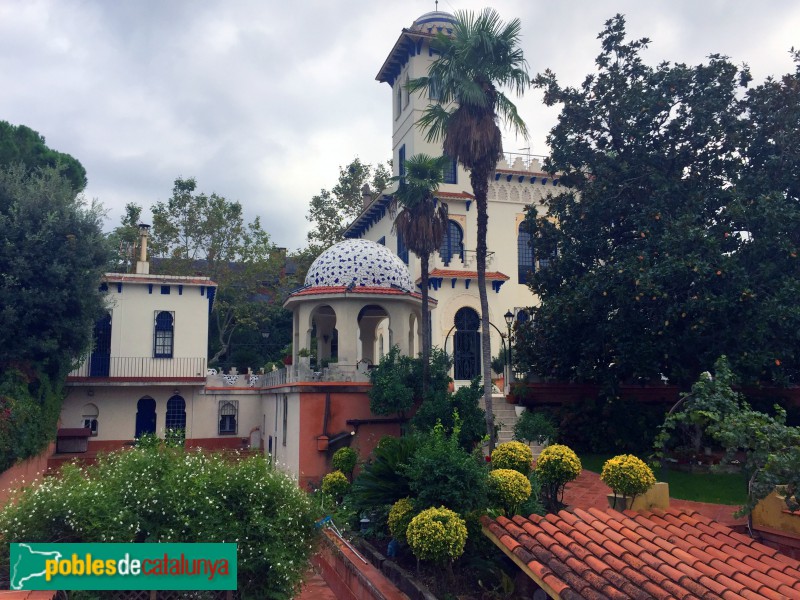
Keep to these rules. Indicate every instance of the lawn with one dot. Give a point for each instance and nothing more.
(719, 488)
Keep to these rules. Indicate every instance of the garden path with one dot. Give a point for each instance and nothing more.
(589, 491)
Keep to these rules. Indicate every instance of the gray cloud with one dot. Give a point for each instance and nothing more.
(261, 101)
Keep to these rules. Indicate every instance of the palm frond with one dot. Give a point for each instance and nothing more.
(435, 119)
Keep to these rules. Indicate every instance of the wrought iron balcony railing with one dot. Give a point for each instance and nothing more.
(140, 366)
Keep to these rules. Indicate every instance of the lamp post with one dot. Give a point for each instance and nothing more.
(509, 317)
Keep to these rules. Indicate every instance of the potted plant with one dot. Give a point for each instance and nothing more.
(628, 477)
(537, 429)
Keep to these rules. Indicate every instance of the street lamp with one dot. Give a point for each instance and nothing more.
(509, 317)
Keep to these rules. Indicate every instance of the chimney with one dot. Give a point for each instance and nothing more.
(366, 196)
(142, 266)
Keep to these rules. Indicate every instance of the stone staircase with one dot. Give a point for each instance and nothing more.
(504, 416)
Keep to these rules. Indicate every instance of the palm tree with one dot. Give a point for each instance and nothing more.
(422, 224)
(482, 54)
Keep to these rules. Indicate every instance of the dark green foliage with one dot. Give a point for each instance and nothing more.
(393, 384)
(382, 481)
(29, 408)
(610, 425)
(189, 497)
(331, 211)
(664, 167)
(445, 407)
(52, 252)
(535, 426)
(22, 145)
(441, 472)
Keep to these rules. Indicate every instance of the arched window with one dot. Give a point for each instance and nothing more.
(452, 244)
(228, 411)
(467, 344)
(405, 92)
(176, 414)
(524, 253)
(163, 335)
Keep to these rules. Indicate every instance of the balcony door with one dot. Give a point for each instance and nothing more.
(100, 361)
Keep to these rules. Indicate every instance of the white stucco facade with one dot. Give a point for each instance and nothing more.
(147, 369)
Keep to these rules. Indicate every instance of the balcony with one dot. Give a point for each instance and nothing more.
(301, 373)
(138, 369)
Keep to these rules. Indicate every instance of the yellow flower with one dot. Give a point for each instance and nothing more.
(437, 534)
(513, 455)
(510, 488)
(627, 475)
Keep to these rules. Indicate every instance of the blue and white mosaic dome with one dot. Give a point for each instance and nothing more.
(361, 262)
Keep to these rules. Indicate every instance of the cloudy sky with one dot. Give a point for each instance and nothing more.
(261, 101)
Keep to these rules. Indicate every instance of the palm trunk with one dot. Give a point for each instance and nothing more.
(426, 317)
(480, 187)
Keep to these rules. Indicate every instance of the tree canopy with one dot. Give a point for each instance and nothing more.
(331, 211)
(21, 144)
(52, 254)
(675, 238)
(197, 233)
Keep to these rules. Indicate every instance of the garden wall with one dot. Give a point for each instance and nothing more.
(348, 576)
(23, 473)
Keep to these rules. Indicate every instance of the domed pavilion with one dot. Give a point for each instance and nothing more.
(352, 291)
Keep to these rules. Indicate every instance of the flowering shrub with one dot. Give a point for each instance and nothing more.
(437, 535)
(513, 455)
(557, 466)
(344, 460)
(161, 493)
(335, 484)
(400, 516)
(627, 475)
(509, 488)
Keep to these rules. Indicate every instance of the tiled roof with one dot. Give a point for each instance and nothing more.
(462, 195)
(490, 275)
(673, 554)
(157, 279)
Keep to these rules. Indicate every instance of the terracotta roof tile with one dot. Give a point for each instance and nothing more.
(458, 274)
(664, 555)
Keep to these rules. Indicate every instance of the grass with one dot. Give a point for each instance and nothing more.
(718, 488)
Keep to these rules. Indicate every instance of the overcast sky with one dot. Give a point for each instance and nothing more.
(261, 101)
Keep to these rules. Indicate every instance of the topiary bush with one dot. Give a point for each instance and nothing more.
(437, 535)
(335, 485)
(400, 516)
(557, 466)
(190, 496)
(627, 475)
(344, 460)
(513, 455)
(509, 488)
